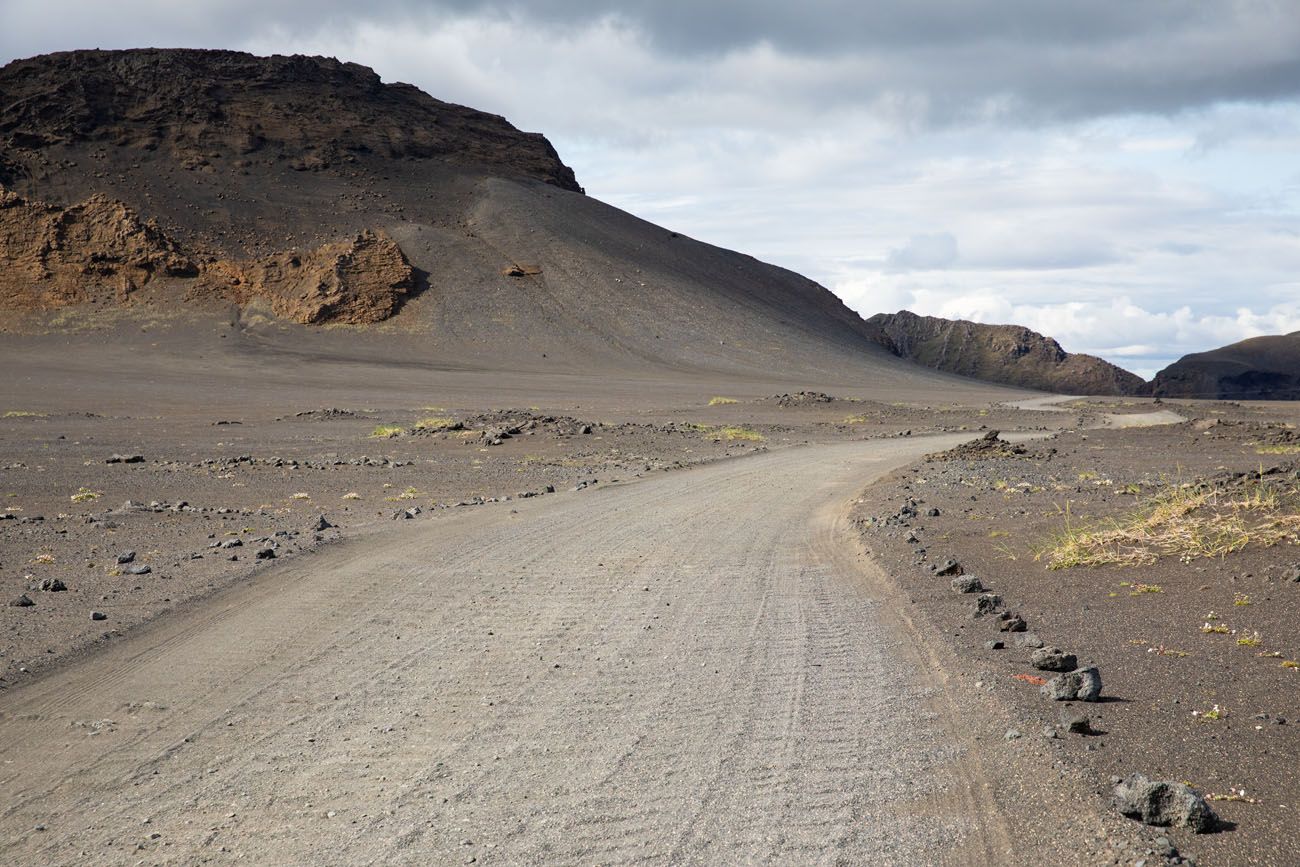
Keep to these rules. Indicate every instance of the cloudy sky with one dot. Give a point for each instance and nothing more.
(1124, 176)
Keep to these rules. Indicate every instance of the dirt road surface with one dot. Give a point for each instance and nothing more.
(691, 668)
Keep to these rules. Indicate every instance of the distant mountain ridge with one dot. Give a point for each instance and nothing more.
(1260, 368)
(1007, 354)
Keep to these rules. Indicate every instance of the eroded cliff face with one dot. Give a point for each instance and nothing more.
(101, 251)
(360, 281)
(53, 256)
(1007, 354)
(199, 106)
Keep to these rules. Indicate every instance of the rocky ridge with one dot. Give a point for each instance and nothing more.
(1008, 354)
(201, 107)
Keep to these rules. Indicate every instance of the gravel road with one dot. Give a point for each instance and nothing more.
(691, 668)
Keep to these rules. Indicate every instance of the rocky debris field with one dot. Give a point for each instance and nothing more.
(109, 521)
(1130, 596)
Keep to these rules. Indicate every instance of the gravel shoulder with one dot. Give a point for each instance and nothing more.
(1195, 644)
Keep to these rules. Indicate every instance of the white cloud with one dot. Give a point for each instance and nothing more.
(922, 253)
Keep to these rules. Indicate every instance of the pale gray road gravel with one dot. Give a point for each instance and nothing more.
(692, 668)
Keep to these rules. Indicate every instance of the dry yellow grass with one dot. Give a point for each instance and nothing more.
(1188, 522)
(435, 423)
(732, 432)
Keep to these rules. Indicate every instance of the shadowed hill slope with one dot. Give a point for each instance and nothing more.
(222, 182)
(1008, 354)
(1261, 368)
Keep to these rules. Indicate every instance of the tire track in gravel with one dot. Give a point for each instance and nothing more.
(691, 668)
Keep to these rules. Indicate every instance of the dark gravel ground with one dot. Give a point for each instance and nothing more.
(1155, 630)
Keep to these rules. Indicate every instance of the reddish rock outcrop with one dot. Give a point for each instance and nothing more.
(52, 257)
(100, 250)
(359, 281)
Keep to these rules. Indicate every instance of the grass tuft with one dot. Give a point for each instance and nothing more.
(1282, 449)
(1188, 522)
(722, 401)
(731, 432)
(435, 423)
(85, 495)
(386, 431)
(727, 432)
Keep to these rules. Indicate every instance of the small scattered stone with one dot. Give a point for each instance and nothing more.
(986, 604)
(265, 553)
(1074, 722)
(1012, 735)
(1082, 684)
(1050, 733)
(232, 543)
(1028, 639)
(23, 601)
(98, 615)
(320, 524)
(1164, 803)
(125, 557)
(1008, 622)
(53, 585)
(1053, 659)
(967, 584)
(950, 567)
(124, 459)
(994, 645)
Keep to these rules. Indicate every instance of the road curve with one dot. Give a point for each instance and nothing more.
(691, 668)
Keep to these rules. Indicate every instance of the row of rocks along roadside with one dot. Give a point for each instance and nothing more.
(1156, 803)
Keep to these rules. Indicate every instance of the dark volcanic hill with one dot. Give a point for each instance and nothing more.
(198, 107)
(1261, 368)
(268, 190)
(1008, 354)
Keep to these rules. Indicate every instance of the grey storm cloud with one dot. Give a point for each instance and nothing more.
(946, 61)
